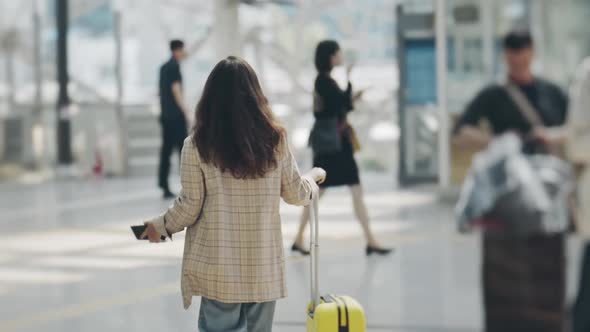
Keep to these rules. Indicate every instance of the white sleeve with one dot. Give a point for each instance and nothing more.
(578, 124)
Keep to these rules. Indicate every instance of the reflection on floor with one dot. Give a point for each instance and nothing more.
(68, 261)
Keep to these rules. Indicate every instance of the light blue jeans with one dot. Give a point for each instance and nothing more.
(216, 316)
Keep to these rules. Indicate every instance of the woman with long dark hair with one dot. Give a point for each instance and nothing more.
(333, 142)
(235, 168)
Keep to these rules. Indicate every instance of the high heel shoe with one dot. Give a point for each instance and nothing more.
(296, 248)
(378, 251)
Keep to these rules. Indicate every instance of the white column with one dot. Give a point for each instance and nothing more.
(441, 84)
(34, 129)
(121, 119)
(538, 24)
(9, 45)
(259, 53)
(488, 36)
(38, 72)
(226, 30)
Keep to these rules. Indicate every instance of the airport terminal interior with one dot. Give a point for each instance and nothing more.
(68, 261)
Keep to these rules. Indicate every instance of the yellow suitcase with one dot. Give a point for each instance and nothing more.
(329, 313)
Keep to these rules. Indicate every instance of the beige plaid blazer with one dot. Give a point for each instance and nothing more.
(233, 249)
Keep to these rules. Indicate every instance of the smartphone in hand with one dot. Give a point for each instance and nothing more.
(139, 230)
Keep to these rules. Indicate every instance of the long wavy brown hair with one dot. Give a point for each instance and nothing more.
(235, 129)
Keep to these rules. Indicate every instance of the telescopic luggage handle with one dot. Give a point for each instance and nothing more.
(314, 242)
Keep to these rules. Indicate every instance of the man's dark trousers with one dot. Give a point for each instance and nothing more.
(174, 133)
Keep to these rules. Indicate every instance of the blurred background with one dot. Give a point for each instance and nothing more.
(79, 144)
(115, 48)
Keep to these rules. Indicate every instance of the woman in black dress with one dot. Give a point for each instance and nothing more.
(331, 105)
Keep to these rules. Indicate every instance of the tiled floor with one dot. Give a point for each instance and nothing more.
(68, 261)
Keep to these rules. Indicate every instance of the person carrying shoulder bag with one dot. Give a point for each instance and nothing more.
(523, 276)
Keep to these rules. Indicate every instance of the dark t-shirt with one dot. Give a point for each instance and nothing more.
(495, 105)
(169, 74)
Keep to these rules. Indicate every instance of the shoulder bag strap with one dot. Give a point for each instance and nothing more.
(523, 105)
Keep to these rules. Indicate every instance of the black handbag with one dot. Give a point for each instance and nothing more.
(325, 137)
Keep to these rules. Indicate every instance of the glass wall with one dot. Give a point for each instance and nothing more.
(278, 40)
